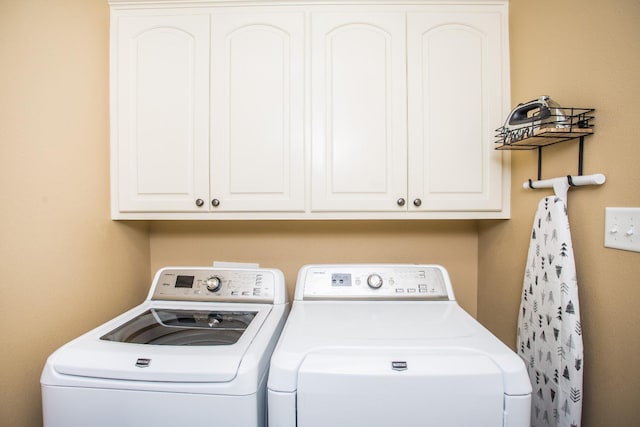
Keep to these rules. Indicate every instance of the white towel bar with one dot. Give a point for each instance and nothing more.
(562, 184)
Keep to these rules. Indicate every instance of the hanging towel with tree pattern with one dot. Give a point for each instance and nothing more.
(549, 328)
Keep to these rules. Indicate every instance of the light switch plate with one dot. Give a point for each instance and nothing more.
(622, 228)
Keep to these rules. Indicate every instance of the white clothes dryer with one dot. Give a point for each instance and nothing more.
(195, 352)
(382, 345)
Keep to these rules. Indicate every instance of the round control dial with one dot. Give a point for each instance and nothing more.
(374, 281)
(213, 283)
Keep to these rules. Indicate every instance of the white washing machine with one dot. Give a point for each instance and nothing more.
(383, 345)
(195, 352)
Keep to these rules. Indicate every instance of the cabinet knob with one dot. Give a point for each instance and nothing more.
(215, 203)
(199, 202)
(400, 201)
(417, 202)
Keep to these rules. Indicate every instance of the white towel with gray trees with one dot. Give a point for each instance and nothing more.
(549, 329)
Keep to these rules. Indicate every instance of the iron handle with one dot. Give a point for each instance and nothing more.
(417, 202)
(199, 203)
(400, 201)
(215, 203)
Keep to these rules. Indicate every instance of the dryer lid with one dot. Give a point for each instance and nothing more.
(164, 345)
(375, 327)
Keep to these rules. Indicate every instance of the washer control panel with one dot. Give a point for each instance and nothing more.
(214, 284)
(372, 281)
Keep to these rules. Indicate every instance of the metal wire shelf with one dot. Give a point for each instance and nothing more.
(566, 123)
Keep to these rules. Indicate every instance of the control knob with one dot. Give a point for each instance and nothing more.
(213, 283)
(374, 281)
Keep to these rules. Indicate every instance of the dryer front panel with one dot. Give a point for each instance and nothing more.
(445, 388)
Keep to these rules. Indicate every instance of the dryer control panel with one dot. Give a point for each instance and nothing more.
(374, 281)
(218, 285)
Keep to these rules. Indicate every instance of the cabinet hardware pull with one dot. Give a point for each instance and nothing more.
(417, 202)
(199, 202)
(400, 201)
(215, 203)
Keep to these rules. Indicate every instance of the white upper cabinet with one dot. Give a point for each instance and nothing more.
(209, 112)
(456, 95)
(257, 111)
(159, 105)
(223, 109)
(359, 119)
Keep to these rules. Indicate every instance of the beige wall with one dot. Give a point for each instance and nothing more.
(585, 54)
(55, 214)
(64, 265)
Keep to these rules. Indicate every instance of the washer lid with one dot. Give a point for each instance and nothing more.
(165, 326)
(173, 353)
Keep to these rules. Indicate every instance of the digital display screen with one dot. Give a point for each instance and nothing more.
(340, 279)
(184, 282)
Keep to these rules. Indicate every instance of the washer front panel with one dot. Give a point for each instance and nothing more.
(387, 282)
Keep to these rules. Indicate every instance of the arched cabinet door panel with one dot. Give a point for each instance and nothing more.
(358, 111)
(159, 123)
(257, 111)
(456, 98)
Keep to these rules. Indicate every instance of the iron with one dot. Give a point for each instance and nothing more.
(525, 118)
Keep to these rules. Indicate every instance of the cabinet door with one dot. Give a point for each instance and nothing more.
(257, 111)
(456, 97)
(358, 112)
(160, 87)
